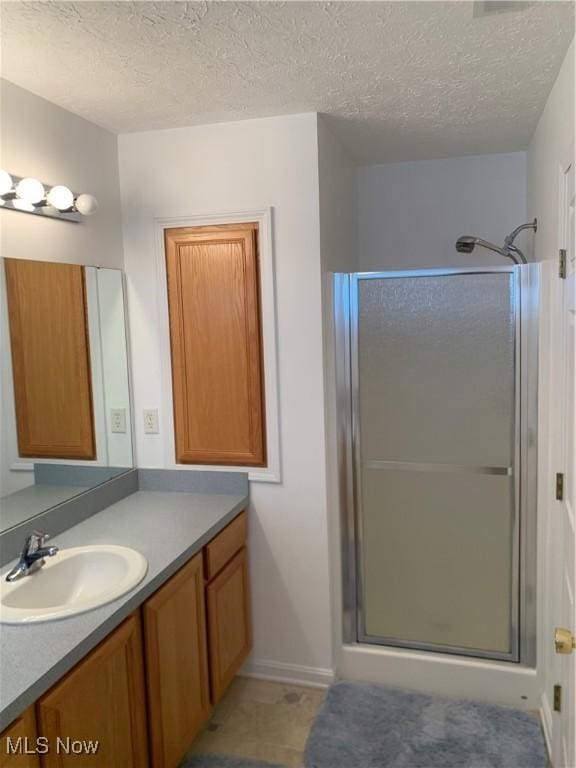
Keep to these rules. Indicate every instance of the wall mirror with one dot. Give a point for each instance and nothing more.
(65, 417)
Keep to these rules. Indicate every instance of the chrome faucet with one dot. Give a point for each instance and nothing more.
(32, 556)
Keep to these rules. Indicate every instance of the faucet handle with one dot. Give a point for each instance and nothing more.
(35, 540)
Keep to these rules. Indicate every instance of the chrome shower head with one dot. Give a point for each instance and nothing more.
(466, 244)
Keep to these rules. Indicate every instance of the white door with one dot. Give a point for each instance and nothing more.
(564, 742)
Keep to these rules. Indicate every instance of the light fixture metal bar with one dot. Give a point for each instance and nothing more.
(10, 202)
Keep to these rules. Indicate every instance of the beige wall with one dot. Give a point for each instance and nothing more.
(57, 147)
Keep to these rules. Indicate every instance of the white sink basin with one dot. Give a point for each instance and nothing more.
(73, 581)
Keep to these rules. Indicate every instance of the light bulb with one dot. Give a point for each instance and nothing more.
(60, 197)
(86, 204)
(22, 205)
(30, 190)
(5, 182)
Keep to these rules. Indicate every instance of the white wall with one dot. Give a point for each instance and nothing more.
(410, 214)
(338, 203)
(115, 377)
(45, 141)
(550, 153)
(233, 167)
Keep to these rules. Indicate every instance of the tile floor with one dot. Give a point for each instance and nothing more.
(263, 721)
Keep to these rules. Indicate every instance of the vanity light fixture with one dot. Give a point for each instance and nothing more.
(5, 183)
(31, 196)
(30, 190)
(60, 197)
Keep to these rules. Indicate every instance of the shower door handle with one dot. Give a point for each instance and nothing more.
(462, 469)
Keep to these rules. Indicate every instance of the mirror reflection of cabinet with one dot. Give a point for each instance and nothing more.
(65, 416)
(50, 359)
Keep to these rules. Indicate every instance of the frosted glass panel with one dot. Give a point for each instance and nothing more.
(436, 410)
(437, 558)
(436, 368)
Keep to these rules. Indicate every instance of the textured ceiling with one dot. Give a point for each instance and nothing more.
(399, 80)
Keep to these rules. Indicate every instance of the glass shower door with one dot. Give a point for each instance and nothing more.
(434, 361)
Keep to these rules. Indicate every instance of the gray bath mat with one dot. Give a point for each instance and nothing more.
(370, 726)
(221, 761)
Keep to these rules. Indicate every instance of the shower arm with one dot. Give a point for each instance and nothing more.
(513, 235)
(509, 239)
(518, 252)
(490, 246)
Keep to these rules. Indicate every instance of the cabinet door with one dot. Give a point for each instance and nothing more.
(102, 699)
(18, 739)
(176, 664)
(215, 335)
(50, 359)
(229, 623)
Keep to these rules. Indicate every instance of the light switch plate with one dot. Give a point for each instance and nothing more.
(151, 421)
(118, 420)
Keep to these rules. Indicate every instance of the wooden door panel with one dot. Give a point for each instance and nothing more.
(17, 739)
(229, 623)
(50, 359)
(176, 664)
(102, 699)
(215, 334)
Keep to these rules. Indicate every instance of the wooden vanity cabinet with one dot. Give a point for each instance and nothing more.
(146, 691)
(18, 741)
(228, 605)
(197, 634)
(229, 626)
(176, 664)
(102, 699)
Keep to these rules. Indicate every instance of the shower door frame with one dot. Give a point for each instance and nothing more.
(526, 281)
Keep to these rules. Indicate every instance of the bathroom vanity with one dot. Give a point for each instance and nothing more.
(139, 675)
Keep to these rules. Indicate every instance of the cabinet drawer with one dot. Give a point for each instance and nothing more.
(223, 548)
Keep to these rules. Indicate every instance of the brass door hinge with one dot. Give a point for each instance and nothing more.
(562, 263)
(559, 486)
(557, 698)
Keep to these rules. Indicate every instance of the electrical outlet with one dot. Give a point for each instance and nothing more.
(118, 420)
(151, 422)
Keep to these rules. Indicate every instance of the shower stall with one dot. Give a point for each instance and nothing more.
(437, 392)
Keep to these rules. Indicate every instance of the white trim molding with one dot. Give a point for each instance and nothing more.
(22, 466)
(263, 216)
(293, 674)
(441, 674)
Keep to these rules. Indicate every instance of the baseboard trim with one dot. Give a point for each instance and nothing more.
(546, 720)
(294, 674)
